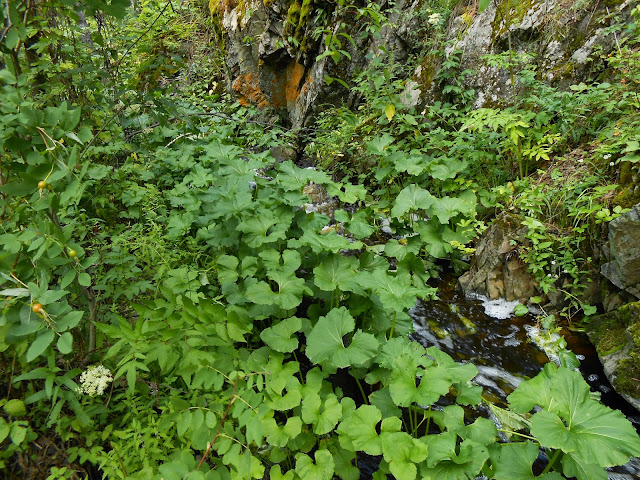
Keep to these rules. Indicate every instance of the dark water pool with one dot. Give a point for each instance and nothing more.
(499, 345)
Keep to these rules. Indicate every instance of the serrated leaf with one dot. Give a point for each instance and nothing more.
(337, 272)
(378, 145)
(325, 342)
(323, 414)
(279, 435)
(411, 198)
(330, 242)
(436, 377)
(69, 321)
(358, 431)
(572, 421)
(395, 293)
(278, 336)
(402, 453)
(276, 474)
(449, 168)
(582, 471)
(463, 465)
(447, 207)
(321, 470)
(431, 234)
(515, 460)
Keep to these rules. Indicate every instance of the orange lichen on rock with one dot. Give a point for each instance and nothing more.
(249, 92)
(295, 73)
(286, 85)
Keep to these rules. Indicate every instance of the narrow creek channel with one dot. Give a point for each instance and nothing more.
(496, 341)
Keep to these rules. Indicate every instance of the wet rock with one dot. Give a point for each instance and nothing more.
(623, 269)
(616, 336)
(496, 268)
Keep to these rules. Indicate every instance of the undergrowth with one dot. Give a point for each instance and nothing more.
(173, 308)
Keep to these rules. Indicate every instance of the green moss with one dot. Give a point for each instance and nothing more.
(628, 374)
(469, 325)
(296, 23)
(510, 12)
(614, 331)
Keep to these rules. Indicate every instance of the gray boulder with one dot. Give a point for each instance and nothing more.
(623, 269)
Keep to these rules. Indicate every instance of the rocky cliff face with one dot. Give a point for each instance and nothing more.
(558, 39)
(275, 48)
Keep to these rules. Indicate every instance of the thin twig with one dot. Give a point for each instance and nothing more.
(140, 37)
(224, 417)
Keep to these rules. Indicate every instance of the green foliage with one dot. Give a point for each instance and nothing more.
(171, 309)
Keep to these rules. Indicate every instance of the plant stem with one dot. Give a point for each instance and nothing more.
(550, 464)
(519, 434)
(364, 397)
(393, 324)
(224, 417)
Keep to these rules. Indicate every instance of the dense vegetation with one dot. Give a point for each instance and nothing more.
(174, 308)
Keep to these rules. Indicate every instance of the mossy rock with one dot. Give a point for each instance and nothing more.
(616, 336)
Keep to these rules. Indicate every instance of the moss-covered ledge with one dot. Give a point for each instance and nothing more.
(616, 336)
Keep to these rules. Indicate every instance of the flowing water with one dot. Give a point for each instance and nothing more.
(498, 343)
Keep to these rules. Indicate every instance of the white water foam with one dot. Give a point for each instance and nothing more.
(500, 308)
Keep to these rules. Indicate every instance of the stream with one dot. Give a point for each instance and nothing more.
(497, 342)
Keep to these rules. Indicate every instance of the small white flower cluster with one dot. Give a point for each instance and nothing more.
(95, 380)
(607, 156)
(434, 19)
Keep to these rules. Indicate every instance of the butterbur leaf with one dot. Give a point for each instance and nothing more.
(395, 293)
(515, 460)
(325, 342)
(580, 470)
(261, 229)
(378, 145)
(279, 435)
(572, 421)
(276, 474)
(447, 207)
(440, 447)
(449, 168)
(289, 294)
(278, 336)
(323, 414)
(412, 164)
(283, 401)
(321, 470)
(411, 198)
(330, 242)
(358, 431)
(463, 465)
(337, 272)
(402, 452)
(520, 310)
(431, 234)
(347, 192)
